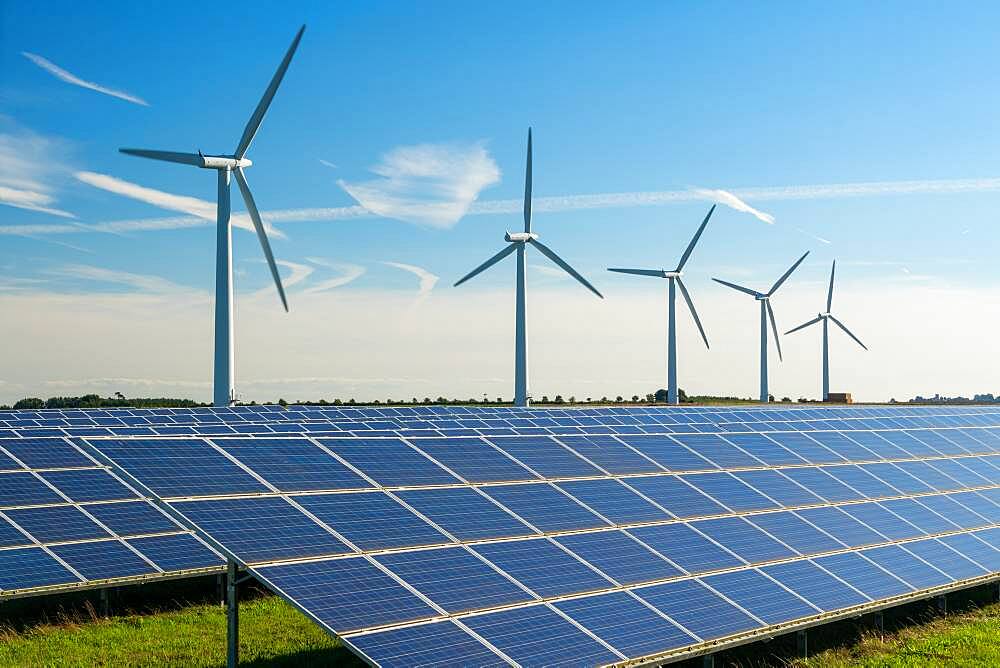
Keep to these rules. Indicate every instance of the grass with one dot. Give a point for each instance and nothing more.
(274, 634)
(970, 638)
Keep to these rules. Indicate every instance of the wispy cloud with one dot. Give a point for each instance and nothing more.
(428, 184)
(27, 161)
(140, 282)
(347, 274)
(732, 201)
(298, 274)
(427, 279)
(71, 78)
(327, 163)
(190, 205)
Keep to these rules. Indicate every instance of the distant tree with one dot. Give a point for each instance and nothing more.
(31, 403)
(119, 395)
(619, 399)
(604, 400)
(282, 402)
(545, 398)
(589, 400)
(572, 399)
(559, 399)
(661, 396)
(786, 400)
(427, 400)
(351, 401)
(635, 398)
(337, 402)
(770, 398)
(499, 400)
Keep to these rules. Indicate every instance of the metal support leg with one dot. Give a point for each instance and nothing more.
(942, 604)
(232, 617)
(708, 661)
(802, 643)
(220, 589)
(879, 622)
(104, 602)
(996, 592)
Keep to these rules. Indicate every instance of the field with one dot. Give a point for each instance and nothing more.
(274, 634)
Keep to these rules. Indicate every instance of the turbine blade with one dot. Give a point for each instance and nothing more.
(829, 295)
(774, 328)
(258, 114)
(848, 332)
(548, 252)
(697, 235)
(752, 293)
(659, 273)
(784, 277)
(527, 188)
(694, 313)
(489, 263)
(166, 156)
(265, 245)
(804, 325)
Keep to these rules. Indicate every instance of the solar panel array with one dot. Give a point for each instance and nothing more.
(583, 536)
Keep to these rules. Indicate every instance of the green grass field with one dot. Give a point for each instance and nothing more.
(274, 634)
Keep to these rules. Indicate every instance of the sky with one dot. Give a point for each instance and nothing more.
(392, 162)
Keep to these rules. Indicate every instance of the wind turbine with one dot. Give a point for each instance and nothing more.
(674, 282)
(825, 318)
(518, 241)
(226, 166)
(766, 313)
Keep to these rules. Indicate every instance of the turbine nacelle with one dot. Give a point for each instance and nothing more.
(224, 162)
(823, 315)
(519, 237)
(672, 274)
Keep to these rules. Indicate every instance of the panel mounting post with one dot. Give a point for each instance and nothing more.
(232, 617)
(802, 643)
(879, 622)
(708, 661)
(104, 602)
(220, 589)
(942, 604)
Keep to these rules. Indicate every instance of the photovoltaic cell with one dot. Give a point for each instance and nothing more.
(718, 451)
(857, 478)
(795, 532)
(56, 523)
(545, 507)
(815, 585)
(545, 456)
(735, 494)
(944, 559)
(743, 539)
(83, 485)
(292, 464)
(944, 505)
(543, 567)
(610, 454)
(24, 489)
(905, 566)
(863, 575)
(686, 547)
(538, 636)
(760, 596)
(765, 449)
(668, 453)
(105, 559)
(841, 526)
(619, 556)
(778, 487)
(465, 513)
(678, 497)
(46, 453)
(882, 520)
(613, 500)
(919, 515)
(474, 459)
(975, 549)
(822, 484)
(132, 518)
(176, 552)
(806, 448)
(698, 609)
(389, 461)
(10, 536)
(29, 567)
(438, 645)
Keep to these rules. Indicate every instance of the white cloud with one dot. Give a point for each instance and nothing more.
(327, 163)
(141, 282)
(732, 201)
(427, 279)
(428, 184)
(347, 274)
(164, 200)
(71, 78)
(27, 162)
(299, 273)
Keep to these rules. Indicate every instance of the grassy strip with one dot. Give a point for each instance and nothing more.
(272, 633)
(970, 638)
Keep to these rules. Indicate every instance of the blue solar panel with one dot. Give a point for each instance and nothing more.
(843, 446)
(132, 518)
(55, 524)
(24, 489)
(538, 636)
(474, 459)
(454, 579)
(346, 594)
(718, 451)
(765, 449)
(180, 467)
(46, 453)
(543, 567)
(8, 464)
(545, 456)
(103, 559)
(778, 487)
(815, 585)
(882, 520)
(760, 596)
(958, 514)
(822, 484)
(979, 504)
(727, 489)
(438, 645)
(293, 464)
(678, 497)
(668, 453)
(687, 548)
(390, 462)
(626, 624)
(619, 556)
(795, 532)
(465, 513)
(610, 454)
(83, 485)
(805, 447)
(863, 575)
(943, 558)
(10, 536)
(841, 526)
(906, 567)
(613, 500)
(545, 507)
(957, 470)
(262, 529)
(176, 552)
(919, 515)
(976, 549)
(857, 478)
(698, 609)
(929, 475)
(29, 567)
(743, 539)
(880, 446)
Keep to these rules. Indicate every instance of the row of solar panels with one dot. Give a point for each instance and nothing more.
(652, 414)
(585, 549)
(499, 427)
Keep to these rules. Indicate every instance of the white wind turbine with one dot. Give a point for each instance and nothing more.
(674, 282)
(226, 165)
(766, 313)
(519, 241)
(825, 318)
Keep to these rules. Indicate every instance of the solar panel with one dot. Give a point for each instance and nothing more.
(714, 522)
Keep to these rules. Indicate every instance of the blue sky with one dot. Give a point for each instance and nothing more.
(665, 98)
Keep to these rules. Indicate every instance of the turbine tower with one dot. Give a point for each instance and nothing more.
(766, 313)
(674, 282)
(518, 242)
(227, 166)
(825, 318)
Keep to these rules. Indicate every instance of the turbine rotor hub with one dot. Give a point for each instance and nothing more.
(224, 162)
(672, 274)
(519, 237)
